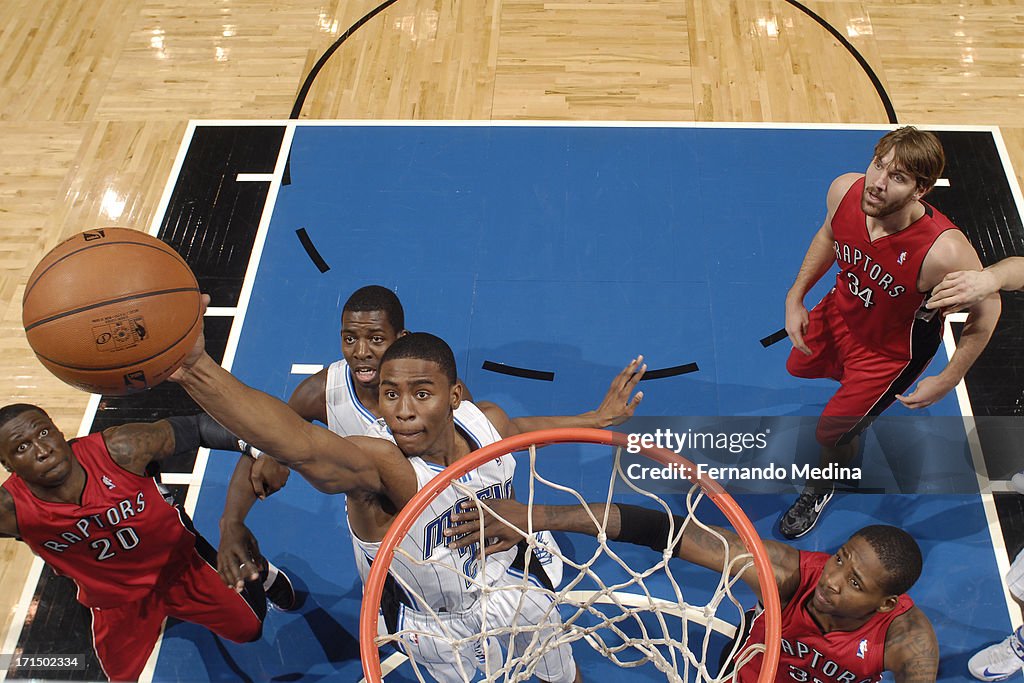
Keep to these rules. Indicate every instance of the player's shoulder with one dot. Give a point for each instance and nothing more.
(309, 398)
(913, 621)
(841, 185)
(133, 445)
(494, 414)
(951, 251)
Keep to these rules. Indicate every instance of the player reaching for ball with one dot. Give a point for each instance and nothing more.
(419, 397)
(86, 507)
(845, 616)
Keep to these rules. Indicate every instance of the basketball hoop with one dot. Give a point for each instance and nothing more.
(669, 653)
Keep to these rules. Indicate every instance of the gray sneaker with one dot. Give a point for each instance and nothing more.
(803, 514)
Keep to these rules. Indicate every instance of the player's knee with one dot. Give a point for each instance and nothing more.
(834, 431)
(798, 364)
(245, 633)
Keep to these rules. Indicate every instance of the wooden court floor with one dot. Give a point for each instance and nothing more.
(95, 96)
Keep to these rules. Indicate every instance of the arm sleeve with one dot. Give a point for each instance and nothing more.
(193, 431)
(644, 526)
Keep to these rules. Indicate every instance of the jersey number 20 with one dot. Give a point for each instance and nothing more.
(126, 538)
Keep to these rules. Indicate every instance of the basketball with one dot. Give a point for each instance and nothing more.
(112, 311)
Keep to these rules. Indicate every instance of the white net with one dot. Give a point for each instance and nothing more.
(626, 603)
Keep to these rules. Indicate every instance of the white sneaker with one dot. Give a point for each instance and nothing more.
(1017, 482)
(999, 661)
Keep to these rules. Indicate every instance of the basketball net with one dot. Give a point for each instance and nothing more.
(622, 618)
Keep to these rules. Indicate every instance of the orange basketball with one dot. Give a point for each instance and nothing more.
(111, 311)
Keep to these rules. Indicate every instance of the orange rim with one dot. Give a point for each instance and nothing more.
(374, 588)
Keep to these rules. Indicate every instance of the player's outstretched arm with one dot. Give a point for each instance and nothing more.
(331, 463)
(911, 649)
(617, 406)
(712, 547)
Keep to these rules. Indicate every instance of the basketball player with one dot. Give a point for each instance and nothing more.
(871, 332)
(342, 396)
(845, 617)
(419, 395)
(86, 507)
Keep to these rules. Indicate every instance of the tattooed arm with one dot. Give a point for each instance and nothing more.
(133, 446)
(911, 650)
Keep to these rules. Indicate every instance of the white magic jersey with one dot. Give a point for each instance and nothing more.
(346, 415)
(443, 587)
(452, 599)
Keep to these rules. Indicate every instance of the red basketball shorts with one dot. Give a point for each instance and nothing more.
(124, 636)
(868, 381)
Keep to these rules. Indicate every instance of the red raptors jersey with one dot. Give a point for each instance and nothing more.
(876, 289)
(810, 655)
(118, 544)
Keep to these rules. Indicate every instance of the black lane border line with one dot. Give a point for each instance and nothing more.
(672, 371)
(315, 71)
(525, 373)
(311, 251)
(890, 111)
(774, 338)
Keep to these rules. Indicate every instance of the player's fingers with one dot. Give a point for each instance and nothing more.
(497, 545)
(257, 486)
(908, 400)
(636, 401)
(635, 378)
(798, 343)
(256, 562)
(230, 570)
(463, 535)
(621, 380)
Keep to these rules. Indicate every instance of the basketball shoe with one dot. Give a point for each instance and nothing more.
(1000, 660)
(279, 589)
(803, 514)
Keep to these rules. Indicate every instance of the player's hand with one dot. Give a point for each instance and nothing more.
(267, 476)
(928, 391)
(962, 289)
(199, 348)
(620, 403)
(238, 558)
(504, 524)
(796, 326)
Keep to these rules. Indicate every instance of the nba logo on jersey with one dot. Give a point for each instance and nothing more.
(862, 649)
(902, 258)
(109, 484)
